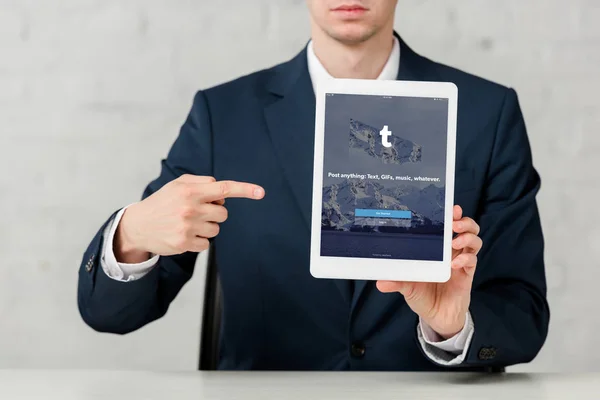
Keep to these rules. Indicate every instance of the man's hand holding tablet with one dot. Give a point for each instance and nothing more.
(444, 306)
(383, 194)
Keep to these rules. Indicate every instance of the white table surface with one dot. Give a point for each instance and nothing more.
(114, 385)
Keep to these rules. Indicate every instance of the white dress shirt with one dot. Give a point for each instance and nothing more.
(445, 352)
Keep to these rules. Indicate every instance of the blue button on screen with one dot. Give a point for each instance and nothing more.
(399, 214)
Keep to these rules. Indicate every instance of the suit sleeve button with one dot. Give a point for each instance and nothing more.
(487, 353)
(90, 264)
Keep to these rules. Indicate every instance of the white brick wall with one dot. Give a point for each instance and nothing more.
(92, 93)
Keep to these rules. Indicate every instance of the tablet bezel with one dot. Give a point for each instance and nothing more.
(377, 268)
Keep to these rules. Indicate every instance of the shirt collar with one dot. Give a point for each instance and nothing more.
(318, 73)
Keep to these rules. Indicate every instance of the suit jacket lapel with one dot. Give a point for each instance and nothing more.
(291, 124)
(411, 68)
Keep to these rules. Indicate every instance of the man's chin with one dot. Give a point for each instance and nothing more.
(351, 33)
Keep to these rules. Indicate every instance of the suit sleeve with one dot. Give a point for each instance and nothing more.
(508, 304)
(108, 305)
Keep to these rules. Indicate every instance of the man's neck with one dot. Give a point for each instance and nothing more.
(359, 61)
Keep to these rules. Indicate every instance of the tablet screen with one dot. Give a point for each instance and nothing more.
(384, 168)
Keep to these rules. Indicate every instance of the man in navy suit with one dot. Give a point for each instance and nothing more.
(240, 174)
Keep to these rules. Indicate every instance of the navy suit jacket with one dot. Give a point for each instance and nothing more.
(260, 128)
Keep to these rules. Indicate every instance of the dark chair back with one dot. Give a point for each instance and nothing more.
(211, 317)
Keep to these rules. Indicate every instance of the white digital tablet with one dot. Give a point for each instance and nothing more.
(383, 184)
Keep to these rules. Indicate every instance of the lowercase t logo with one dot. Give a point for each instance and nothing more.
(385, 134)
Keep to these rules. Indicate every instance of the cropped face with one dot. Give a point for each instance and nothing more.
(351, 21)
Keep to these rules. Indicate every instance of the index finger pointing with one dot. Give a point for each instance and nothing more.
(223, 189)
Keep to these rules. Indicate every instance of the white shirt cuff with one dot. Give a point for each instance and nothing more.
(446, 352)
(114, 269)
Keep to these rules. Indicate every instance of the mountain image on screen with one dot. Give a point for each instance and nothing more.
(340, 201)
(367, 138)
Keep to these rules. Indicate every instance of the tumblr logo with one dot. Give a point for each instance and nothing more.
(385, 135)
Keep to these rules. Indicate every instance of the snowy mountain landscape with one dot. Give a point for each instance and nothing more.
(340, 201)
(366, 138)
